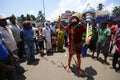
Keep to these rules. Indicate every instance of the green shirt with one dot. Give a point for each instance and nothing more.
(94, 33)
(103, 34)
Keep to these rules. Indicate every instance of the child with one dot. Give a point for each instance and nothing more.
(53, 39)
(40, 39)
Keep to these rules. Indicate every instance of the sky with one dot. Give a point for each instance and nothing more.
(53, 8)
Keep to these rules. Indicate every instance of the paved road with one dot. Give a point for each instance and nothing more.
(52, 68)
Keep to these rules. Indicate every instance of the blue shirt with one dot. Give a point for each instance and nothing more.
(27, 34)
(3, 51)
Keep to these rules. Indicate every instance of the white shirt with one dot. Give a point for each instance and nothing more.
(8, 38)
(47, 35)
(35, 29)
(16, 32)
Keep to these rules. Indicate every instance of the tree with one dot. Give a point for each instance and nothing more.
(23, 18)
(19, 19)
(33, 18)
(28, 17)
(100, 6)
(40, 16)
(116, 11)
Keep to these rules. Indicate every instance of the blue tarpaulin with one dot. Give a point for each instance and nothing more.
(101, 18)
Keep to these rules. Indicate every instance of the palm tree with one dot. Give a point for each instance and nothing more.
(116, 11)
(28, 17)
(19, 19)
(33, 18)
(100, 6)
(23, 17)
(40, 15)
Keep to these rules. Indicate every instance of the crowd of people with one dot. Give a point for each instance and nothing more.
(18, 42)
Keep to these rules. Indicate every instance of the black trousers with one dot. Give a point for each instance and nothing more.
(115, 60)
(66, 43)
(21, 50)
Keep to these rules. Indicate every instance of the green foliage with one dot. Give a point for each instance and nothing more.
(116, 11)
(23, 17)
(33, 18)
(29, 17)
(40, 15)
(19, 19)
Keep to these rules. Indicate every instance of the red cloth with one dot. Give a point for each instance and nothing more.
(112, 28)
(53, 40)
(77, 34)
(117, 42)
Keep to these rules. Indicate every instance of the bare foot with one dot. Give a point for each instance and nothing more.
(67, 68)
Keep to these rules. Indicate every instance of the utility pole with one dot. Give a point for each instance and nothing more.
(44, 8)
